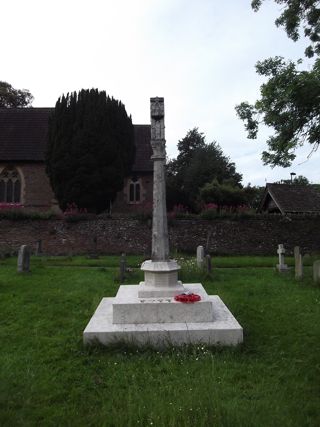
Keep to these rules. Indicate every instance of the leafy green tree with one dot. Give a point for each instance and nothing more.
(196, 164)
(222, 194)
(301, 180)
(289, 99)
(253, 195)
(90, 149)
(297, 13)
(290, 104)
(298, 180)
(14, 98)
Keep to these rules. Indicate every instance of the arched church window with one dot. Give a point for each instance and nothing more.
(134, 190)
(9, 191)
(17, 192)
(10, 185)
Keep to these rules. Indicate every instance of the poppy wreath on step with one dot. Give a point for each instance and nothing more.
(187, 298)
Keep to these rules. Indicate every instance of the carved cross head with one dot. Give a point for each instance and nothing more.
(157, 108)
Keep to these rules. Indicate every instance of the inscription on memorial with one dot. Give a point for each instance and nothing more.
(156, 300)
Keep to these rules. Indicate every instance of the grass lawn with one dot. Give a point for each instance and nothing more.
(47, 377)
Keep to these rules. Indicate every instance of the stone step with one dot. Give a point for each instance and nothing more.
(128, 307)
(223, 330)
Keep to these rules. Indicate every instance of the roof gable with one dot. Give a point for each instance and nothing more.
(291, 198)
(23, 137)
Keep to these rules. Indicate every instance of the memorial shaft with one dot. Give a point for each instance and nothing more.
(160, 240)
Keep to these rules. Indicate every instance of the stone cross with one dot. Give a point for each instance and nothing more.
(316, 272)
(160, 240)
(24, 259)
(200, 256)
(160, 272)
(298, 264)
(281, 251)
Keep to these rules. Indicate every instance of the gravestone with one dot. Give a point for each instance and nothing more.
(316, 272)
(208, 264)
(24, 259)
(39, 247)
(94, 252)
(123, 267)
(298, 264)
(200, 256)
(208, 241)
(281, 266)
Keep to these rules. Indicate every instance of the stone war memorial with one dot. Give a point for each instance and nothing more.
(161, 311)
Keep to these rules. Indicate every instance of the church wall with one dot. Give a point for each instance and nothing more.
(122, 203)
(37, 195)
(257, 236)
(36, 192)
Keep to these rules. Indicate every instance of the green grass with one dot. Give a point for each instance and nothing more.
(134, 261)
(48, 378)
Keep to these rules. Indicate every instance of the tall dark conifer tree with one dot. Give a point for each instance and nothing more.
(90, 149)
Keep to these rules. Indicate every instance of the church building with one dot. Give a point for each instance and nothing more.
(23, 179)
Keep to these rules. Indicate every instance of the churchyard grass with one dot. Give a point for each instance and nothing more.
(48, 378)
(135, 261)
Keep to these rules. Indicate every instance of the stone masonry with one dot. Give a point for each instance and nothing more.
(258, 236)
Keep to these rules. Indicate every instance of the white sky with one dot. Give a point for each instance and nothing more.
(198, 54)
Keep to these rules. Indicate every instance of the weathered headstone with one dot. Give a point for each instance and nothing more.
(208, 264)
(94, 253)
(281, 266)
(316, 272)
(208, 240)
(298, 264)
(200, 256)
(123, 267)
(39, 247)
(24, 259)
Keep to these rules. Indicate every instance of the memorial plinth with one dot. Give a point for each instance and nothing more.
(160, 279)
(148, 314)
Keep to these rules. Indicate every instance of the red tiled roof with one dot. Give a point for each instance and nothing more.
(23, 137)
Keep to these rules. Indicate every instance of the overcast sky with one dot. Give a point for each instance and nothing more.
(198, 54)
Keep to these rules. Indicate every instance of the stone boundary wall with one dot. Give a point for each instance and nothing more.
(258, 236)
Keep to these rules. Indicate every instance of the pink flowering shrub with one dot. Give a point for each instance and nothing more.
(212, 211)
(7, 206)
(210, 206)
(72, 209)
(75, 214)
(179, 211)
(142, 212)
